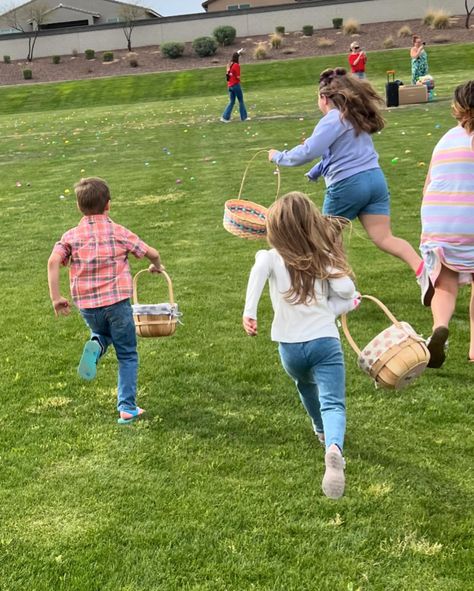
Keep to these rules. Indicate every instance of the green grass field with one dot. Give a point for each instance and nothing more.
(219, 488)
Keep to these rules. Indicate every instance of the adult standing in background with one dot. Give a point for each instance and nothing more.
(419, 59)
(235, 90)
(357, 60)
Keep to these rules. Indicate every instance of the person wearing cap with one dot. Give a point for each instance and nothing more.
(357, 60)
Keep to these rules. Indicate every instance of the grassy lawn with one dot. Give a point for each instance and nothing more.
(219, 489)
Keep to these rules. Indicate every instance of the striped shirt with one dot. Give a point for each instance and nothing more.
(447, 211)
(97, 252)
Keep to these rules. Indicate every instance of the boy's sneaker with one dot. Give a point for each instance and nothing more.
(224, 120)
(129, 416)
(427, 289)
(87, 368)
(437, 345)
(247, 119)
(334, 479)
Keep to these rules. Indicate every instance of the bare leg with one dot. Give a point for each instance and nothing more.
(443, 303)
(379, 231)
(471, 316)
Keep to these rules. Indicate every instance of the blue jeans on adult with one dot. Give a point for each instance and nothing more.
(114, 325)
(235, 92)
(317, 368)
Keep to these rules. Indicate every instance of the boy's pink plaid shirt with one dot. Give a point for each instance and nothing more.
(97, 251)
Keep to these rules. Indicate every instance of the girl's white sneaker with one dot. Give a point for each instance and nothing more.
(334, 480)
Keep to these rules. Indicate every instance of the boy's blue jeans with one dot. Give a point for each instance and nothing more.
(235, 92)
(114, 325)
(317, 367)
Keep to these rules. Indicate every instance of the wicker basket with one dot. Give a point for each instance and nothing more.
(395, 357)
(155, 325)
(247, 219)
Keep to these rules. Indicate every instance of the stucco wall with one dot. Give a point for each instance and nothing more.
(223, 4)
(258, 21)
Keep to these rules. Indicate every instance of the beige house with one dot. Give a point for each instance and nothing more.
(216, 5)
(51, 14)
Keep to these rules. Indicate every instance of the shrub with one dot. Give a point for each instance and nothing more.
(205, 46)
(440, 20)
(428, 18)
(324, 42)
(172, 49)
(388, 42)
(337, 22)
(351, 27)
(224, 35)
(7, 59)
(56, 59)
(405, 31)
(308, 30)
(280, 30)
(27, 74)
(75, 53)
(260, 52)
(276, 41)
(108, 56)
(90, 54)
(133, 62)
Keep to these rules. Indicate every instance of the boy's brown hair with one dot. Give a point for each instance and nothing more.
(92, 195)
(463, 105)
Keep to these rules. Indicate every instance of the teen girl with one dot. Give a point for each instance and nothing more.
(305, 268)
(355, 184)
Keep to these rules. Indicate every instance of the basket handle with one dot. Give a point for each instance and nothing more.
(277, 172)
(162, 272)
(345, 327)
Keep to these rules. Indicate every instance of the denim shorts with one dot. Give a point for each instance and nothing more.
(362, 193)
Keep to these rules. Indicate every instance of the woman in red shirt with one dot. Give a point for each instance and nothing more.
(357, 60)
(235, 91)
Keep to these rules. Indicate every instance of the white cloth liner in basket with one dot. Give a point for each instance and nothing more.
(165, 308)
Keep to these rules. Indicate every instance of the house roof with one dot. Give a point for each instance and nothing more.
(148, 10)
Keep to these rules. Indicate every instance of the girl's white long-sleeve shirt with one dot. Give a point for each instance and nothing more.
(294, 323)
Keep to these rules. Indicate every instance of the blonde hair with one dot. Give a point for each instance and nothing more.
(463, 105)
(310, 244)
(355, 99)
(92, 195)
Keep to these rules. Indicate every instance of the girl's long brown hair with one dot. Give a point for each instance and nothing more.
(355, 99)
(310, 244)
(463, 105)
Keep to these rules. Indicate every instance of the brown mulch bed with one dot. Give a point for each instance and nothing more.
(295, 45)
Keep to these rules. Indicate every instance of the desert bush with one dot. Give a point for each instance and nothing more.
(323, 42)
(260, 52)
(280, 30)
(224, 35)
(440, 20)
(172, 49)
(90, 54)
(428, 18)
(388, 42)
(205, 46)
(441, 39)
(56, 59)
(133, 62)
(351, 27)
(75, 53)
(404, 31)
(337, 22)
(276, 41)
(7, 59)
(108, 56)
(27, 74)
(308, 30)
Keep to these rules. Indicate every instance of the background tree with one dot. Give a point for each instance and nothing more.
(129, 14)
(468, 12)
(27, 20)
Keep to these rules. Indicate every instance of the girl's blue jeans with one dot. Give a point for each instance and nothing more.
(114, 325)
(235, 92)
(317, 368)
